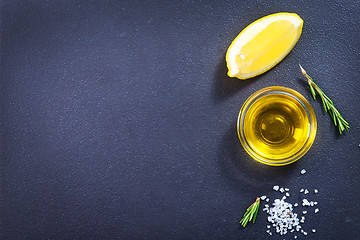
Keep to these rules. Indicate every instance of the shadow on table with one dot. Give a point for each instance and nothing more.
(225, 86)
(239, 169)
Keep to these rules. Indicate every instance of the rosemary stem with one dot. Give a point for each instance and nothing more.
(250, 213)
(327, 103)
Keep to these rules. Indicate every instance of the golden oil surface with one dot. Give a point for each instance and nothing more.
(276, 126)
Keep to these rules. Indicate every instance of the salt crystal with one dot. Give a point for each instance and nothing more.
(287, 194)
(286, 189)
(314, 230)
(303, 172)
(267, 200)
(295, 237)
(316, 191)
(306, 191)
(305, 233)
(276, 187)
(282, 190)
(295, 205)
(262, 197)
(312, 203)
(304, 212)
(268, 226)
(315, 203)
(305, 202)
(316, 210)
(301, 190)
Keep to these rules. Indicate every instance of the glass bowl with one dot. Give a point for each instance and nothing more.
(276, 126)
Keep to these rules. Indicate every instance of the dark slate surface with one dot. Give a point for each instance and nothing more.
(118, 120)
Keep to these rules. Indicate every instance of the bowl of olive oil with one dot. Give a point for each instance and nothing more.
(276, 126)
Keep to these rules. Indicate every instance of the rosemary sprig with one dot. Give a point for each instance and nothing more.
(250, 213)
(328, 104)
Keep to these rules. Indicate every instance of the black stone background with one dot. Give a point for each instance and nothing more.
(118, 120)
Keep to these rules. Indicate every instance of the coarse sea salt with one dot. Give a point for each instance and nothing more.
(303, 172)
(282, 217)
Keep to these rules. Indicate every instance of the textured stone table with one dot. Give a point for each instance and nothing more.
(118, 120)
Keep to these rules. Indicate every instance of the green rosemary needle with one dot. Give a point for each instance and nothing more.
(328, 104)
(251, 213)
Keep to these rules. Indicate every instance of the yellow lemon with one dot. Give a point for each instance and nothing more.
(263, 44)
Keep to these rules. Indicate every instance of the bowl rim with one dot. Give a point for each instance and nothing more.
(303, 102)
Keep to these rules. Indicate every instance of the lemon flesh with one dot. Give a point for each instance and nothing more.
(263, 44)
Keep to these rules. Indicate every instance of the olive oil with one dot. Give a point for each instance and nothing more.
(276, 126)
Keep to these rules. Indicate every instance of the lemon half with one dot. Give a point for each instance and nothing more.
(263, 44)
